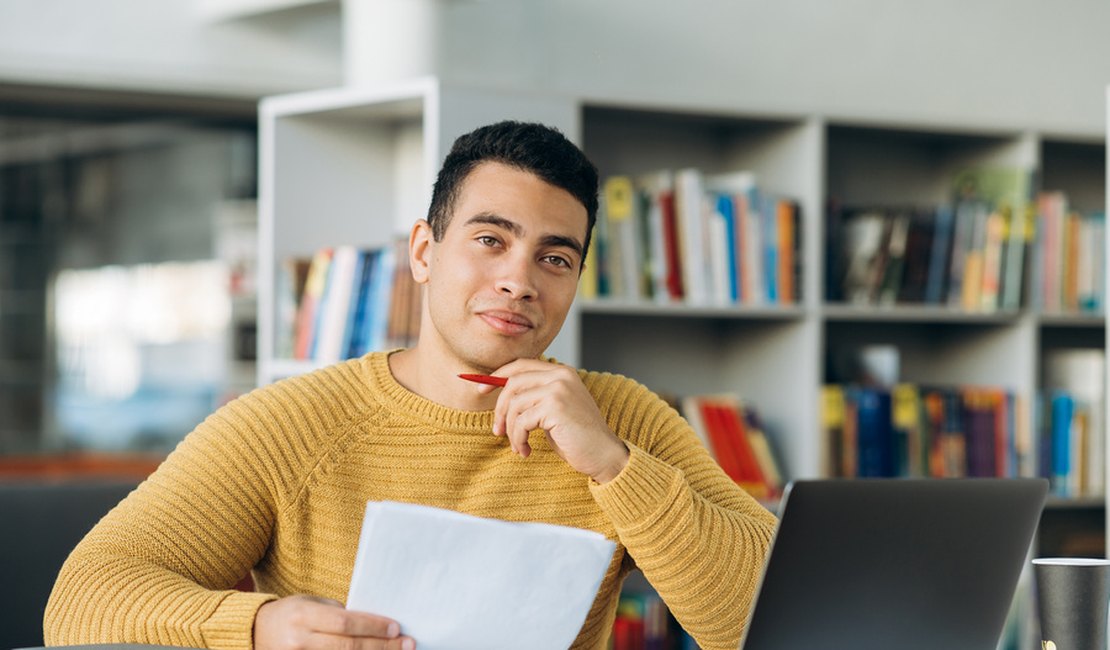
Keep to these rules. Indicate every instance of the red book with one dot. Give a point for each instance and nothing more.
(735, 455)
(670, 243)
(723, 448)
(749, 464)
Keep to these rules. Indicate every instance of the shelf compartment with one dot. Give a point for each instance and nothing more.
(764, 361)
(956, 353)
(841, 312)
(896, 166)
(648, 309)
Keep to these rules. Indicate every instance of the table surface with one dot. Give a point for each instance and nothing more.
(108, 646)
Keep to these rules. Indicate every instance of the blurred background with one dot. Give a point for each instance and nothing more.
(128, 146)
(129, 176)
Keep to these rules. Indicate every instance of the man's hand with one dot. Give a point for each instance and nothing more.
(552, 397)
(310, 623)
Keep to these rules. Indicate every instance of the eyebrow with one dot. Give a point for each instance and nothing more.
(515, 228)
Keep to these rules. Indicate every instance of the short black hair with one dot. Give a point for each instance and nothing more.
(536, 148)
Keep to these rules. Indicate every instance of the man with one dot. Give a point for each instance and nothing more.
(277, 481)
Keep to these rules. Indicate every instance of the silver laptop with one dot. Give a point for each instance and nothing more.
(907, 564)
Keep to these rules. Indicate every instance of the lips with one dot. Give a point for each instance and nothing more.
(506, 322)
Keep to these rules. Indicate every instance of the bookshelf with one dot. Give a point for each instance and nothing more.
(356, 165)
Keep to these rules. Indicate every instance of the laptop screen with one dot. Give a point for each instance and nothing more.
(908, 564)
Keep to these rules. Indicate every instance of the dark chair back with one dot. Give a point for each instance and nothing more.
(40, 523)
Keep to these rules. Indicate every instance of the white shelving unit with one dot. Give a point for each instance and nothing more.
(356, 166)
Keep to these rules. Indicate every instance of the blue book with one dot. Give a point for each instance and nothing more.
(874, 433)
(727, 209)
(355, 345)
(938, 257)
(768, 212)
(352, 306)
(366, 307)
(381, 292)
(1063, 409)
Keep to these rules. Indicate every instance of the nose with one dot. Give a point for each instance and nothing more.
(514, 278)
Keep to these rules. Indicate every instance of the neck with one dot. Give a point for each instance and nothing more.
(430, 377)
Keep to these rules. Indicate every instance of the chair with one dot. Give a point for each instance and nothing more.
(40, 523)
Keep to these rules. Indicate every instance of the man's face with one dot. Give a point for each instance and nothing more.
(501, 280)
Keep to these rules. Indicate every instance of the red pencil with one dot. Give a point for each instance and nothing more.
(485, 379)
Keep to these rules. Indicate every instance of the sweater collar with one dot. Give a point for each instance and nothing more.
(402, 400)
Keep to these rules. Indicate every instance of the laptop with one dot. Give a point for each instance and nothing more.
(908, 564)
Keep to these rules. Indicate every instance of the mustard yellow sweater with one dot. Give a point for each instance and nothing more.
(277, 482)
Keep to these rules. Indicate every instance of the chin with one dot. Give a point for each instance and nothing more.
(496, 356)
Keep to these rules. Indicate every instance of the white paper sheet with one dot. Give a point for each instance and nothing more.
(455, 582)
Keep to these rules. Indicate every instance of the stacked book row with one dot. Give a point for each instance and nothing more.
(344, 302)
(970, 256)
(734, 434)
(643, 622)
(1069, 271)
(973, 255)
(684, 237)
(967, 431)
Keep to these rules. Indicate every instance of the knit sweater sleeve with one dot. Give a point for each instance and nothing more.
(699, 539)
(160, 567)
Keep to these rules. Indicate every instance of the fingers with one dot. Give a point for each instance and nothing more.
(524, 413)
(532, 399)
(335, 642)
(308, 622)
(333, 619)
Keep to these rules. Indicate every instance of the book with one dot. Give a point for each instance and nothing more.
(335, 305)
(995, 232)
(1021, 231)
(362, 307)
(657, 199)
(936, 285)
(910, 445)
(1079, 373)
(971, 285)
(979, 427)
(765, 456)
(865, 234)
(918, 256)
(587, 280)
(833, 418)
(891, 275)
(1062, 412)
(691, 220)
(962, 242)
(789, 271)
(875, 435)
(734, 434)
(292, 275)
(622, 238)
(315, 283)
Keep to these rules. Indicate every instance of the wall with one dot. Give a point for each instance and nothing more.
(979, 63)
(168, 46)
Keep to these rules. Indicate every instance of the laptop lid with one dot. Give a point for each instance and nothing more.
(908, 564)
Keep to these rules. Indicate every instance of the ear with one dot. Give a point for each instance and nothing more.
(420, 250)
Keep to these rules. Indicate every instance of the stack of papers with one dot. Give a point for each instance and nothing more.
(455, 581)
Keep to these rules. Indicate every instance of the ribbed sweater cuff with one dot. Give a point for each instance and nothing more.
(231, 626)
(643, 491)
